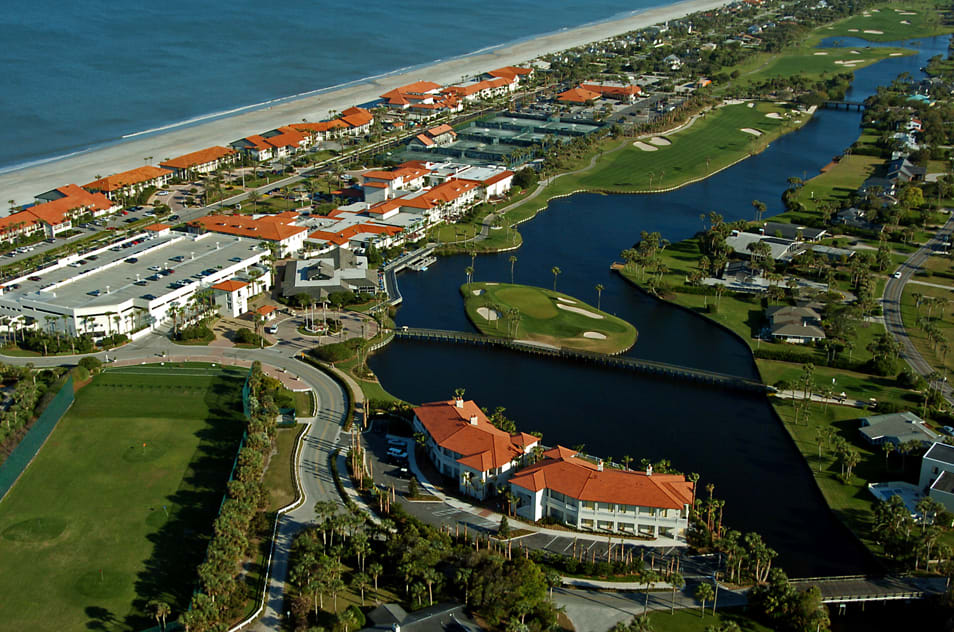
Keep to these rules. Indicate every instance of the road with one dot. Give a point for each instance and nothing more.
(319, 441)
(891, 302)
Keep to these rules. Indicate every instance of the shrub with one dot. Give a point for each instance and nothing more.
(195, 332)
(91, 364)
(246, 336)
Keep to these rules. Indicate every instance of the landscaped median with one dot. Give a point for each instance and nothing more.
(523, 312)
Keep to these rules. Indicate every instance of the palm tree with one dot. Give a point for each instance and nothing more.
(469, 270)
(599, 294)
(375, 570)
(677, 582)
(160, 610)
(704, 593)
(556, 272)
(513, 262)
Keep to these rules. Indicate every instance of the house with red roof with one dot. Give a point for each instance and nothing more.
(277, 143)
(279, 229)
(521, 75)
(465, 446)
(379, 185)
(202, 161)
(627, 93)
(483, 89)
(130, 182)
(55, 212)
(585, 495)
(578, 96)
(438, 136)
(419, 92)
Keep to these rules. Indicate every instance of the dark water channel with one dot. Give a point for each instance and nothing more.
(734, 441)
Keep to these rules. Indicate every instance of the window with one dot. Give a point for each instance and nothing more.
(605, 525)
(586, 524)
(647, 530)
(605, 507)
(589, 505)
(647, 511)
(557, 496)
(665, 532)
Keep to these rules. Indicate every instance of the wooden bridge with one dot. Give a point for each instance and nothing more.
(848, 105)
(652, 367)
(863, 589)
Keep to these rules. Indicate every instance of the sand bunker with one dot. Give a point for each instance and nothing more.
(477, 292)
(905, 22)
(644, 146)
(750, 105)
(854, 52)
(488, 314)
(895, 54)
(749, 130)
(906, 12)
(491, 284)
(821, 53)
(565, 300)
(773, 115)
(595, 335)
(852, 30)
(659, 141)
(847, 62)
(874, 32)
(578, 310)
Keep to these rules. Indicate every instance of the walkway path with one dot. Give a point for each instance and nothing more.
(892, 306)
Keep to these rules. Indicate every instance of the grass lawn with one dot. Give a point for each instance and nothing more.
(545, 316)
(279, 477)
(117, 507)
(886, 22)
(840, 182)
(304, 403)
(943, 319)
(691, 620)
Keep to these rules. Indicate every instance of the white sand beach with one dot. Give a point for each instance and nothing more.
(23, 184)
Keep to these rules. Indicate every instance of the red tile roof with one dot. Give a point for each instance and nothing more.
(564, 472)
(157, 227)
(269, 227)
(320, 127)
(425, 139)
(577, 95)
(510, 72)
(75, 200)
(418, 87)
(265, 310)
(464, 429)
(230, 285)
(196, 158)
(631, 90)
(119, 180)
(342, 237)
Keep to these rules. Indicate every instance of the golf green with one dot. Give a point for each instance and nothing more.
(523, 312)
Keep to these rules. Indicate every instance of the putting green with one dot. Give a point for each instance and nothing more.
(545, 317)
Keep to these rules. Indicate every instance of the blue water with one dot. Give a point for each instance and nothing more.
(79, 74)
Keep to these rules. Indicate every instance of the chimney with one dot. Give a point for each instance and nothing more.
(649, 470)
(473, 420)
(459, 402)
(599, 466)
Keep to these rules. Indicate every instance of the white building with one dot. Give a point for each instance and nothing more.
(465, 446)
(585, 495)
(937, 474)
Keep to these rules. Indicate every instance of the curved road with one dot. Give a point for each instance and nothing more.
(318, 443)
(891, 302)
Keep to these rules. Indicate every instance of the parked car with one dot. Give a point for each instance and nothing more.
(948, 430)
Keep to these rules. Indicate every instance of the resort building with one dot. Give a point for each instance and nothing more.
(55, 212)
(896, 428)
(129, 286)
(200, 162)
(417, 93)
(520, 75)
(383, 185)
(937, 474)
(625, 92)
(439, 136)
(465, 446)
(585, 495)
(129, 183)
(277, 143)
(578, 96)
(795, 324)
(340, 270)
(483, 89)
(279, 229)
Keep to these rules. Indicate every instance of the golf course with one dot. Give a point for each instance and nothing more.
(116, 509)
(523, 312)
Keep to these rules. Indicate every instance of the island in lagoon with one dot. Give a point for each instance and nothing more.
(548, 317)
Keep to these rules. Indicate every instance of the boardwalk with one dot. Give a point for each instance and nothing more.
(859, 589)
(663, 369)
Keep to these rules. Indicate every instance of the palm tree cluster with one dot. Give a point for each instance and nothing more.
(400, 555)
(19, 405)
(646, 255)
(219, 590)
(913, 543)
(928, 322)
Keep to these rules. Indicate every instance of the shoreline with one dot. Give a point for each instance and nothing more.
(23, 183)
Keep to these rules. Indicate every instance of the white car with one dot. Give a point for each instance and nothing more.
(897, 274)
(163, 193)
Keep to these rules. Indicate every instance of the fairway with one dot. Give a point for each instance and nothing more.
(546, 317)
(890, 22)
(117, 507)
(712, 142)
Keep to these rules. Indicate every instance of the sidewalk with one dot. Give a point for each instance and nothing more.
(818, 399)
(348, 485)
(485, 514)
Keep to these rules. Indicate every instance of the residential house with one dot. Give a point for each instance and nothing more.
(465, 446)
(937, 474)
(199, 162)
(794, 324)
(856, 218)
(585, 495)
(483, 89)
(896, 428)
(781, 249)
(129, 183)
(794, 232)
(439, 136)
(902, 170)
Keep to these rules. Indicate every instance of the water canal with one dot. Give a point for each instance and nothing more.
(733, 440)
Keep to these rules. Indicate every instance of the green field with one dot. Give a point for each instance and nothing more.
(545, 316)
(886, 22)
(117, 507)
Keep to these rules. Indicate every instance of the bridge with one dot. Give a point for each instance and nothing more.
(662, 369)
(848, 105)
(863, 589)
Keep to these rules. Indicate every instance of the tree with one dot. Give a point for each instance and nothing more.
(703, 594)
(503, 531)
(556, 272)
(159, 610)
(360, 583)
(513, 262)
(375, 570)
(759, 209)
(599, 294)
(678, 582)
(469, 271)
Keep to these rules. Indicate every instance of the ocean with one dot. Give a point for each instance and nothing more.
(82, 74)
